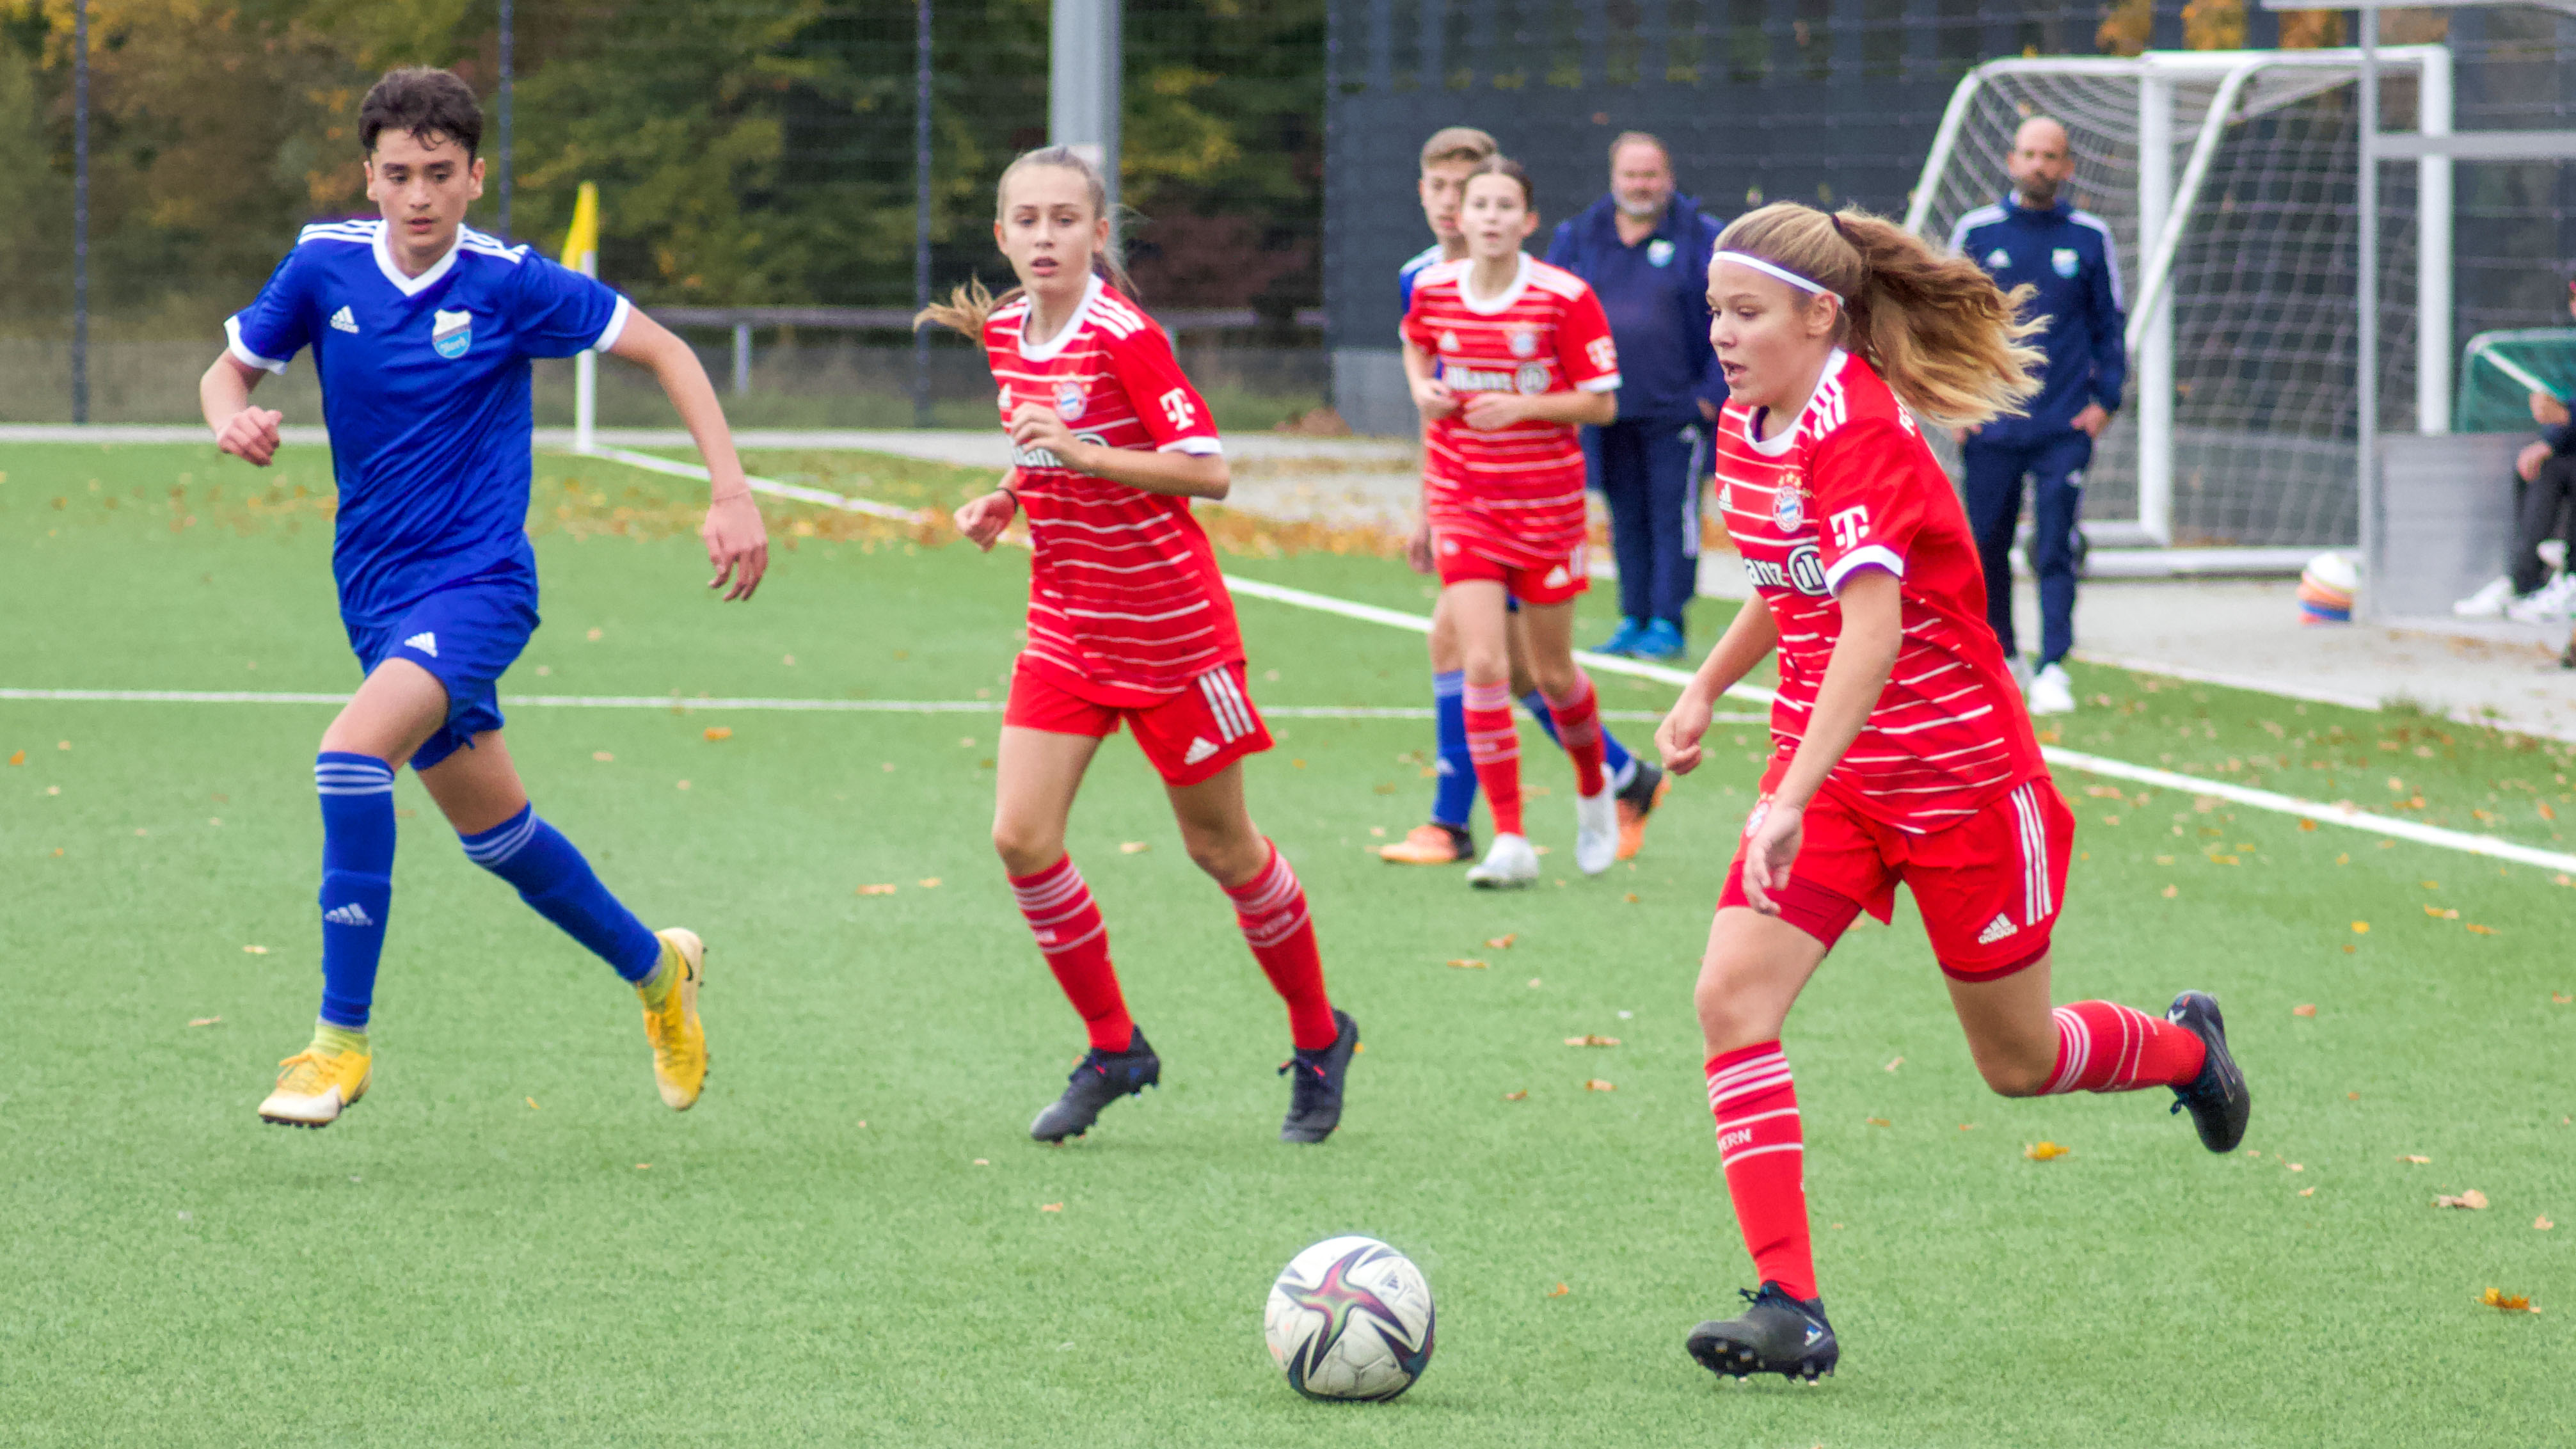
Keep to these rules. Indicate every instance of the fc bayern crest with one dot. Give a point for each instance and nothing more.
(1524, 342)
(1788, 504)
(1068, 400)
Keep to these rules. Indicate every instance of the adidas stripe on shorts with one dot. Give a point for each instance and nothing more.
(1188, 736)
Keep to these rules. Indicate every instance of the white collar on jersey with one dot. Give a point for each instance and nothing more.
(1781, 442)
(1500, 302)
(414, 286)
(1047, 350)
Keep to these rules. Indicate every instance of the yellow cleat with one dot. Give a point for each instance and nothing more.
(315, 1086)
(1430, 845)
(679, 1039)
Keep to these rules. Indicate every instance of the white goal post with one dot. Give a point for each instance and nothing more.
(2226, 178)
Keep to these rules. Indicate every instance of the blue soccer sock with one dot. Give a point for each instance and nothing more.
(552, 877)
(357, 793)
(1618, 767)
(1453, 799)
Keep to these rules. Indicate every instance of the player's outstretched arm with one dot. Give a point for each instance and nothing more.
(1183, 475)
(246, 432)
(1752, 635)
(737, 541)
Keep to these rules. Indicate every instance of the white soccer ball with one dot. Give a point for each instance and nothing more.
(1350, 1318)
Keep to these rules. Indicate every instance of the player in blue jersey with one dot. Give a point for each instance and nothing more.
(421, 329)
(1447, 158)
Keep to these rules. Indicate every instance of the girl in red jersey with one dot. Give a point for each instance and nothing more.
(1128, 621)
(1900, 750)
(1507, 356)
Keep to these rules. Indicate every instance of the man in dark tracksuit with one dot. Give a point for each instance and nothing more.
(2033, 237)
(1645, 251)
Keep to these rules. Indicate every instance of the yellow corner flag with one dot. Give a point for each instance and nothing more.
(581, 244)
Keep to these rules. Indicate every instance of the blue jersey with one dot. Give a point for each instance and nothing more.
(2068, 256)
(1656, 297)
(1404, 275)
(425, 391)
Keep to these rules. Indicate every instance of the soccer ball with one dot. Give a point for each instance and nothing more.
(1350, 1318)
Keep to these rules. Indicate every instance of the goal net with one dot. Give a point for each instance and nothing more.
(2229, 181)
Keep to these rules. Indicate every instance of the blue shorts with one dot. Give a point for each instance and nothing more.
(467, 634)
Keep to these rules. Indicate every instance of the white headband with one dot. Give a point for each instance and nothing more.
(1809, 284)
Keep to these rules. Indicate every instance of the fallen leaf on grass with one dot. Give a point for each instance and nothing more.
(246, 950)
(876, 890)
(206, 1021)
(1466, 963)
(2440, 914)
(2561, 997)
(2361, 928)
(2307, 825)
(1050, 1207)
(2542, 1223)
(1134, 847)
(930, 882)
(684, 784)
(2303, 1010)
(983, 1162)
(2473, 1200)
(1589, 1039)
(2417, 1159)
(2171, 892)
(719, 732)
(1630, 898)
(1893, 1065)
(1876, 1122)
(2502, 1301)
(1595, 1084)
(1559, 1291)
(19, 758)
(1520, 1096)
(2298, 1167)
(532, 1104)
(2307, 1192)
(643, 1167)
(2477, 930)
(2045, 1151)
(1503, 942)
(1967, 1126)
(603, 756)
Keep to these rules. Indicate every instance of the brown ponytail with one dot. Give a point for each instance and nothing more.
(970, 306)
(1948, 341)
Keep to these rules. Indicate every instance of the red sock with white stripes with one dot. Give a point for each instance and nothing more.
(1494, 742)
(1578, 729)
(2103, 1046)
(1075, 942)
(1759, 1145)
(1271, 909)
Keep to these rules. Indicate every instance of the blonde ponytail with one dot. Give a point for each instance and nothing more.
(969, 307)
(1949, 342)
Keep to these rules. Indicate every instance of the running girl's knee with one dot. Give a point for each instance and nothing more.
(2013, 1077)
(1026, 847)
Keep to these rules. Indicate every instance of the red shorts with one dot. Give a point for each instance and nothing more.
(1188, 736)
(1989, 887)
(1462, 562)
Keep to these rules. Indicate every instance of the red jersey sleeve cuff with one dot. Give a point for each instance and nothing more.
(241, 350)
(1599, 384)
(1869, 556)
(1195, 447)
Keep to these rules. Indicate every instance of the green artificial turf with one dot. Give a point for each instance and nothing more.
(846, 1242)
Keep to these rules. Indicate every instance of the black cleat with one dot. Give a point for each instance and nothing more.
(1776, 1334)
(1103, 1078)
(2217, 1097)
(1315, 1085)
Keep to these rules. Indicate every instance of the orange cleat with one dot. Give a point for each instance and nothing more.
(1431, 844)
(1637, 802)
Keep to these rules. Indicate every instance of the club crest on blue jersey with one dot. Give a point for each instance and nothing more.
(1788, 503)
(1524, 342)
(450, 333)
(1068, 400)
(1659, 252)
(1998, 260)
(2063, 262)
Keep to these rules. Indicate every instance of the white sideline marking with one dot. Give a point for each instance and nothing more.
(2266, 800)
(799, 492)
(691, 706)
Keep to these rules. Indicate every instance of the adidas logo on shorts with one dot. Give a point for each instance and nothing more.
(425, 642)
(1200, 749)
(351, 914)
(1996, 929)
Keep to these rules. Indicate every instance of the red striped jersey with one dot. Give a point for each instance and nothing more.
(1513, 494)
(1125, 604)
(1853, 486)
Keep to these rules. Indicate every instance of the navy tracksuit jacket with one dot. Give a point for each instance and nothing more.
(2068, 256)
(1648, 463)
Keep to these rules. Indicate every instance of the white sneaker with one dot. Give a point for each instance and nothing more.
(2488, 602)
(1511, 863)
(1596, 830)
(2547, 604)
(2051, 692)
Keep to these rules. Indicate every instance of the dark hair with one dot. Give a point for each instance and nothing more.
(421, 101)
(1506, 166)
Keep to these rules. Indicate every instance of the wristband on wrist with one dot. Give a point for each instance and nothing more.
(717, 498)
(1010, 493)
